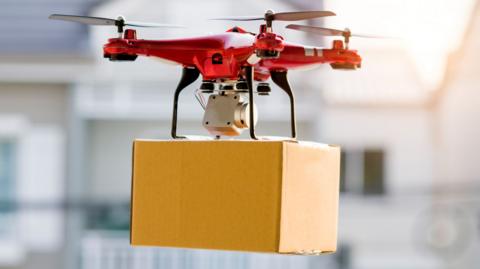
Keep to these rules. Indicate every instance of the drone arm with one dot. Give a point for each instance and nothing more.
(180, 51)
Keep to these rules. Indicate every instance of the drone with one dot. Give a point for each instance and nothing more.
(230, 62)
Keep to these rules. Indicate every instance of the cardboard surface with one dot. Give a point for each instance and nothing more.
(261, 196)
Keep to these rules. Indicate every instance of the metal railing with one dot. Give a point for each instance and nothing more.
(111, 250)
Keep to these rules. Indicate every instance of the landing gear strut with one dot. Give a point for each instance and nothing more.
(279, 78)
(189, 75)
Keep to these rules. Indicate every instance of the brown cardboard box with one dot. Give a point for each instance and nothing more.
(261, 196)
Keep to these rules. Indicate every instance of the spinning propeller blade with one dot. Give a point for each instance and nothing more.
(281, 16)
(328, 32)
(119, 22)
(301, 15)
(152, 25)
(83, 19)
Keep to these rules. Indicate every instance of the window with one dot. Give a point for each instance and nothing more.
(7, 175)
(362, 171)
(115, 216)
(343, 171)
(373, 182)
(7, 168)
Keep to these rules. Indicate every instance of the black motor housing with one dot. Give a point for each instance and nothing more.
(121, 57)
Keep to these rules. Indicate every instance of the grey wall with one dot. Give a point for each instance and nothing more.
(40, 103)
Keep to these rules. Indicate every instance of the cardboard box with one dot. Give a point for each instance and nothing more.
(261, 196)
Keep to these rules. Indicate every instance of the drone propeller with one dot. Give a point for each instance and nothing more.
(281, 16)
(330, 32)
(120, 22)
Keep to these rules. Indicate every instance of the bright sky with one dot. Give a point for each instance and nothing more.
(429, 29)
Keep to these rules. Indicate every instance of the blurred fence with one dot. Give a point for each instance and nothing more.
(443, 223)
(111, 250)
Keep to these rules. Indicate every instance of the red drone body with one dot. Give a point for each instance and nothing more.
(230, 62)
(222, 56)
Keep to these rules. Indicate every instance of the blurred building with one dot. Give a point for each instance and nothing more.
(39, 60)
(68, 118)
(410, 173)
